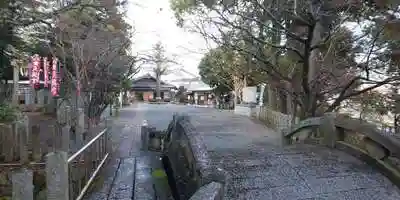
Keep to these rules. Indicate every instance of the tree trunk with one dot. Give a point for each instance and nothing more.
(271, 96)
(294, 113)
(238, 88)
(289, 98)
(396, 123)
(158, 87)
(16, 85)
(283, 102)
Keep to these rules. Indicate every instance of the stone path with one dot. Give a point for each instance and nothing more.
(258, 168)
(128, 174)
(261, 170)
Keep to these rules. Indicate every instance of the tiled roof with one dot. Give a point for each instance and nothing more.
(148, 81)
(194, 84)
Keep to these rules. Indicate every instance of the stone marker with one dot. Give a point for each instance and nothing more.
(22, 185)
(40, 97)
(65, 138)
(57, 176)
(144, 135)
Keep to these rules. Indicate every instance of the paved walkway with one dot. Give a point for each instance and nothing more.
(259, 169)
(128, 174)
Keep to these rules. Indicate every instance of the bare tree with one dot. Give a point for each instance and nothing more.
(93, 46)
(162, 65)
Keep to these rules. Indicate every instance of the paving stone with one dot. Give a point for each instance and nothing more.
(143, 175)
(364, 194)
(102, 191)
(144, 190)
(322, 171)
(144, 182)
(286, 193)
(341, 183)
(123, 184)
(143, 162)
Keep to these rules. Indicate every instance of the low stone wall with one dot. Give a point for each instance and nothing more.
(271, 118)
(243, 110)
(184, 150)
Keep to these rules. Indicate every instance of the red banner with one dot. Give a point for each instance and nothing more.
(46, 72)
(55, 84)
(35, 71)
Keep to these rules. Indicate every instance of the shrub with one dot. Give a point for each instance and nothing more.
(7, 113)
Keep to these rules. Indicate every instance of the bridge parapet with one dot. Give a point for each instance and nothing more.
(186, 160)
(356, 137)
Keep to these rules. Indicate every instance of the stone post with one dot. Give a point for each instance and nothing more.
(80, 127)
(57, 176)
(120, 100)
(328, 130)
(23, 142)
(289, 99)
(65, 131)
(196, 98)
(40, 97)
(35, 142)
(81, 120)
(15, 100)
(22, 185)
(68, 115)
(7, 147)
(271, 97)
(261, 98)
(28, 96)
(109, 125)
(284, 141)
(49, 97)
(144, 135)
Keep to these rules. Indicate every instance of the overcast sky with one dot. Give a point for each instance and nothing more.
(154, 21)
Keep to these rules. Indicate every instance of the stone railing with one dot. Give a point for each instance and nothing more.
(184, 153)
(358, 138)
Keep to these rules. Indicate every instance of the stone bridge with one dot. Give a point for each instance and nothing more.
(219, 154)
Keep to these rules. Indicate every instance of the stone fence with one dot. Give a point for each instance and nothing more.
(31, 138)
(271, 118)
(185, 153)
(50, 157)
(358, 138)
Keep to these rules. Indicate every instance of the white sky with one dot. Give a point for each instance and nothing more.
(154, 21)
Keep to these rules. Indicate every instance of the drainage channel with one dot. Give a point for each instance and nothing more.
(170, 176)
(153, 173)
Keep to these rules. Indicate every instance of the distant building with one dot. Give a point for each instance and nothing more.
(197, 92)
(144, 89)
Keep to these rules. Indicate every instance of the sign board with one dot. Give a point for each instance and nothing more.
(250, 94)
